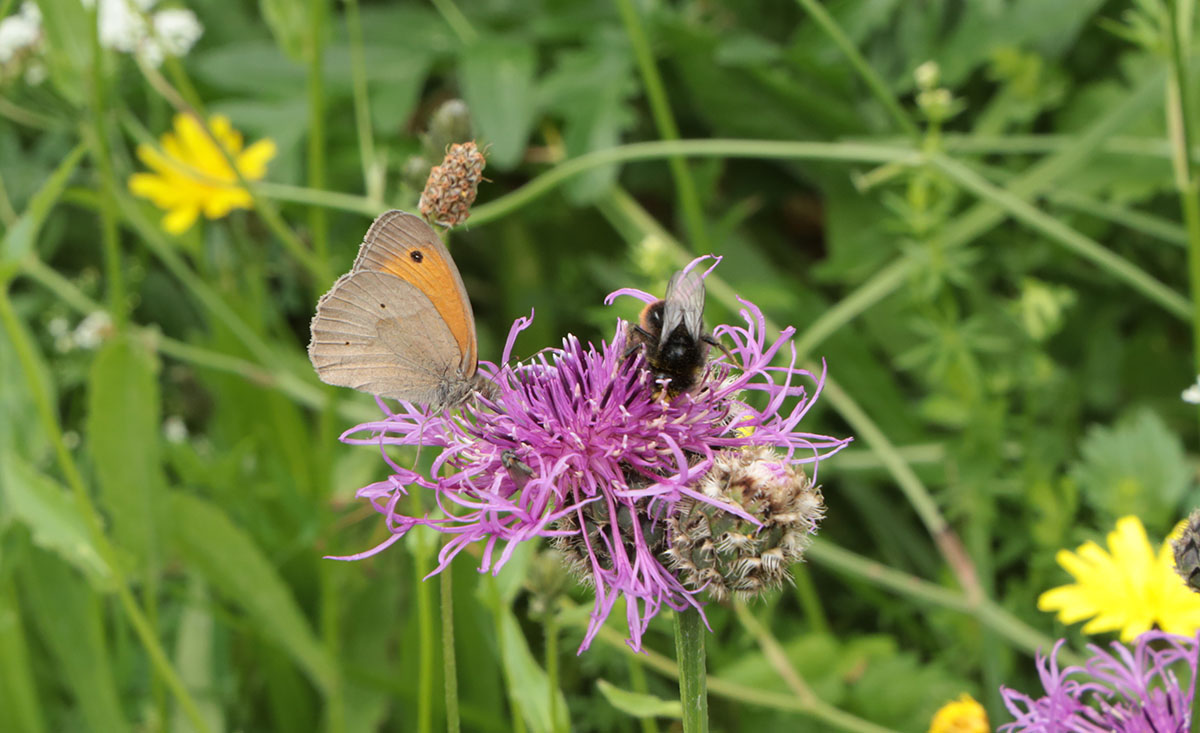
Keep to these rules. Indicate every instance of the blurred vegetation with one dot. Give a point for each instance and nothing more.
(987, 252)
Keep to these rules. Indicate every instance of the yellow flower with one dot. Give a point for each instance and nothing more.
(190, 173)
(1131, 589)
(963, 715)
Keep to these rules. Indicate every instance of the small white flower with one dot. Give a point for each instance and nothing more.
(174, 429)
(177, 30)
(17, 32)
(122, 27)
(1192, 393)
(31, 12)
(92, 330)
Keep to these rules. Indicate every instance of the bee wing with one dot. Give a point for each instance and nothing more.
(684, 304)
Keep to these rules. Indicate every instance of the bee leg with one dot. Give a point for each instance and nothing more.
(708, 339)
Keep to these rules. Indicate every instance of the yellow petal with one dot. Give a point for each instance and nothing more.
(253, 161)
(179, 220)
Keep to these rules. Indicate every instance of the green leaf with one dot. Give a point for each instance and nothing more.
(637, 704)
(123, 439)
(1137, 466)
(52, 516)
(288, 21)
(19, 704)
(19, 240)
(590, 89)
(497, 82)
(68, 616)
(231, 562)
(528, 684)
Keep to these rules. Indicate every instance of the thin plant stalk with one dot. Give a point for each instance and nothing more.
(693, 683)
(551, 638)
(449, 662)
(318, 223)
(660, 107)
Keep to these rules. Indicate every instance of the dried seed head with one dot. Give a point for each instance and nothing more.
(715, 550)
(451, 187)
(1187, 552)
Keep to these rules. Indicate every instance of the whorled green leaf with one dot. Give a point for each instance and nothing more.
(498, 85)
(69, 618)
(1136, 466)
(637, 704)
(123, 437)
(231, 562)
(54, 520)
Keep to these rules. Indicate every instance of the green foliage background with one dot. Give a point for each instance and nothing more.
(994, 274)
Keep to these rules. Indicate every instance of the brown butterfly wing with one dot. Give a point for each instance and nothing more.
(379, 334)
(404, 246)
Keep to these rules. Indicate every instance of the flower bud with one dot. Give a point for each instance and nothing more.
(716, 550)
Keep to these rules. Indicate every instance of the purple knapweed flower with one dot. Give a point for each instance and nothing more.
(579, 435)
(1126, 691)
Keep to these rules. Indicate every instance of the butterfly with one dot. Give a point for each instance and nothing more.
(399, 324)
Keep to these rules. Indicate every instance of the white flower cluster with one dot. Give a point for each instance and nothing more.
(129, 26)
(20, 39)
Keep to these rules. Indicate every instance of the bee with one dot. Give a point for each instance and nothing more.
(671, 333)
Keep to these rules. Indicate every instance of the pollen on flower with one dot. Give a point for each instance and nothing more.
(191, 175)
(452, 186)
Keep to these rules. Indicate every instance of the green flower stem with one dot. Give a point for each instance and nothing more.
(39, 389)
(717, 148)
(318, 223)
(551, 638)
(809, 598)
(1180, 126)
(736, 691)
(986, 612)
(456, 20)
(449, 662)
(873, 81)
(420, 559)
(563, 172)
(689, 655)
(97, 136)
(1088, 248)
(373, 179)
(660, 107)
(776, 656)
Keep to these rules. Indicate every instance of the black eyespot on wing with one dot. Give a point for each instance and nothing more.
(383, 305)
(417, 255)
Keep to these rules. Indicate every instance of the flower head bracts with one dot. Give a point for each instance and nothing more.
(1127, 691)
(578, 443)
